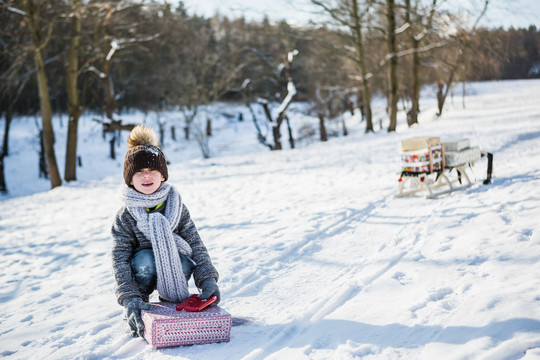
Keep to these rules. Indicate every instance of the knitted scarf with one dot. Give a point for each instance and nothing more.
(166, 245)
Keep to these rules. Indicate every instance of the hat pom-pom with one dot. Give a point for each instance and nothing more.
(142, 135)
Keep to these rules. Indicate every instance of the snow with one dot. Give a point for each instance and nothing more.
(313, 249)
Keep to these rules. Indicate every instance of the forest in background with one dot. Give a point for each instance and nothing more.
(109, 57)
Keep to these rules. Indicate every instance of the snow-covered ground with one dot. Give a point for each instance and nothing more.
(311, 244)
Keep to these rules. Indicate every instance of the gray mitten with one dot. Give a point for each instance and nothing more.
(210, 288)
(132, 313)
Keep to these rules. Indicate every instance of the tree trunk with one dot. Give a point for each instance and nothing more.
(43, 90)
(3, 152)
(112, 152)
(208, 127)
(3, 186)
(9, 117)
(277, 137)
(345, 131)
(162, 135)
(43, 172)
(289, 129)
(322, 128)
(361, 60)
(441, 98)
(413, 118)
(110, 102)
(70, 172)
(46, 117)
(392, 66)
(412, 114)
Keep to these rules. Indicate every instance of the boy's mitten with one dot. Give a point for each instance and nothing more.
(210, 288)
(132, 313)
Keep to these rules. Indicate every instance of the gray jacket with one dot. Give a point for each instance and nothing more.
(128, 239)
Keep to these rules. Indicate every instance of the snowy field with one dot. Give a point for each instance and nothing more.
(311, 244)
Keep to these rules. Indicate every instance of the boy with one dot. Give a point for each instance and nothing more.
(155, 242)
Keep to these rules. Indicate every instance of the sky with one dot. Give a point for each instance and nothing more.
(515, 13)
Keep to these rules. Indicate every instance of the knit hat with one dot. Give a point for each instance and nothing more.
(143, 152)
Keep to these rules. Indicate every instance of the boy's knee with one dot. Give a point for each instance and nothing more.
(146, 280)
(144, 270)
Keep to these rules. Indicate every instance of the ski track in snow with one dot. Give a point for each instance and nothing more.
(317, 257)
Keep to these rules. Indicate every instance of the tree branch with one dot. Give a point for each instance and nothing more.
(486, 3)
(14, 10)
(402, 53)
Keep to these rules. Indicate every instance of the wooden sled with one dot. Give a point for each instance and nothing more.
(453, 175)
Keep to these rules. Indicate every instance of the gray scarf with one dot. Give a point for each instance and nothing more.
(166, 245)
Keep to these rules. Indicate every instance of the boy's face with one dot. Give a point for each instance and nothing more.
(147, 181)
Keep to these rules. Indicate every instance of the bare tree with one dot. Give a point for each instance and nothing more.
(284, 68)
(15, 72)
(353, 15)
(331, 103)
(32, 10)
(420, 24)
(392, 68)
(115, 29)
(74, 105)
(108, 45)
(322, 105)
(205, 64)
(453, 65)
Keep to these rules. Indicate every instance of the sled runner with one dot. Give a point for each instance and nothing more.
(435, 168)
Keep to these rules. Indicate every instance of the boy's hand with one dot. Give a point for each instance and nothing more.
(210, 288)
(132, 313)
